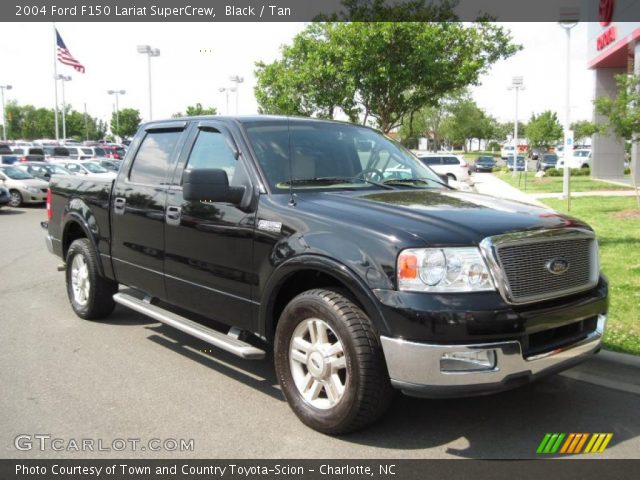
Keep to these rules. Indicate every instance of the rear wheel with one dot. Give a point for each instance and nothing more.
(16, 198)
(330, 364)
(452, 177)
(91, 295)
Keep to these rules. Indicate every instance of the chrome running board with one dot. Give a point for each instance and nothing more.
(229, 343)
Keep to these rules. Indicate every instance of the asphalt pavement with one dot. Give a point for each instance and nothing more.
(131, 378)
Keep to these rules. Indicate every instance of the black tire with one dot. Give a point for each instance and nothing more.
(99, 301)
(367, 392)
(16, 198)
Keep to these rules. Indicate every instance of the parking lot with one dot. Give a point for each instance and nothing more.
(130, 377)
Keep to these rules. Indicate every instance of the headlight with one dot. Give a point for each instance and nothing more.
(459, 269)
(33, 189)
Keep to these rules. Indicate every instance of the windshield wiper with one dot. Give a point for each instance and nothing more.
(332, 181)
(413, 181)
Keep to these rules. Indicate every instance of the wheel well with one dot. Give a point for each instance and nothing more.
(73, 232)
(296, 284)
(452, 176)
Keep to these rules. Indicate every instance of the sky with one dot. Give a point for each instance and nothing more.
(197, 59)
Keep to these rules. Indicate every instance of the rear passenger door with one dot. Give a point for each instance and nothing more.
(138, 206)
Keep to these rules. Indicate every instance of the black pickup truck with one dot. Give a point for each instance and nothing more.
(361, 266)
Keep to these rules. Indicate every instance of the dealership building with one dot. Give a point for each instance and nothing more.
(613, 49)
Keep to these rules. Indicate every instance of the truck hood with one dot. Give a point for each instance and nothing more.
(439, 216)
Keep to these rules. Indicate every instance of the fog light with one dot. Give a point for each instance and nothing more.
(471, 361)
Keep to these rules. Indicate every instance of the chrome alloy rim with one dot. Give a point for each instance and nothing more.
(318, 363)
(80, 283)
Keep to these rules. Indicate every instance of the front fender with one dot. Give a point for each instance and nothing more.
(356, 286)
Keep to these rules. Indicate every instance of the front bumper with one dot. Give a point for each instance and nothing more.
(415, 368)
(30, 197)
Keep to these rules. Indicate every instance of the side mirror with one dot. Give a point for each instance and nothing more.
(444, 178)
(210, 184)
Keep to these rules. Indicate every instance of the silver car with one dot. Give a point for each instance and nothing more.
(22, 187)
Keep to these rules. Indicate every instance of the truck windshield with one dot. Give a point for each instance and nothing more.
(310, 154)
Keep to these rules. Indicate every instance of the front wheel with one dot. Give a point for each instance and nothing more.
(16, 199)
(330, 364)
(91, 295)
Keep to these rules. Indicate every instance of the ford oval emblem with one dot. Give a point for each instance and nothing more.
(557, 266)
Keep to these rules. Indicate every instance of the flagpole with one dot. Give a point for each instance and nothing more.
(55, 76)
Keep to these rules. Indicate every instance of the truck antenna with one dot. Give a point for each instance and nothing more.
(292, 199)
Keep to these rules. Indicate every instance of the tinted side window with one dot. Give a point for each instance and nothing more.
(154, 157)
(451, 161)
(211, 150)
(431, 160)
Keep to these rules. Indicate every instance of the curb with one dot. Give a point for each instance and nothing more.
(620, 358)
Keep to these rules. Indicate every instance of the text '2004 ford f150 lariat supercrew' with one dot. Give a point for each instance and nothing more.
(328, 240)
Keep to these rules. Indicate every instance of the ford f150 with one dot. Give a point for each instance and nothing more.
(361, 266)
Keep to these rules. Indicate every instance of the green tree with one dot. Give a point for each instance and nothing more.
(583, 129)
(544, 129)
(28, 122)
(307, 80)
(81, 126)
(381, 11)
(427, 122)
(623, 111)
(381, 70)
(127, 124)
(467, 122)
(623, 114)
(196, 110)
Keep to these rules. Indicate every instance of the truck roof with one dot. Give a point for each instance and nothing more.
(249, 119)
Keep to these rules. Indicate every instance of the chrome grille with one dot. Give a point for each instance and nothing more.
(520, 263)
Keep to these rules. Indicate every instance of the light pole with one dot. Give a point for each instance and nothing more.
(4, 113)
(150, 52)
(116, 93)
(237, 79)
(63, 79)
(568, 135)
(517, 84)
(226, 91)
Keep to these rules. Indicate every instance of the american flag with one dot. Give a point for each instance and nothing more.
(65, 57)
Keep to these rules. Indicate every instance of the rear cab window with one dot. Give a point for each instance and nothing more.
(155, 157)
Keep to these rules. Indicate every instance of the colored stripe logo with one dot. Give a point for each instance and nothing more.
(573, 443)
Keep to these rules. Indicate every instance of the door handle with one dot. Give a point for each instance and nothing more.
(173, 215)
(118, 205)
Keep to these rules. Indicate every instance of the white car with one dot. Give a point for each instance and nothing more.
(77, 152)
(581, 159)
(506, 152)
(447, 164)
(83, 167)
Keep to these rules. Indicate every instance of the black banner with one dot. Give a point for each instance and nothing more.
(123, 469)
(309, 10)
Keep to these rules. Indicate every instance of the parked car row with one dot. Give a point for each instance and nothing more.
(27, 182)
(24, 151)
